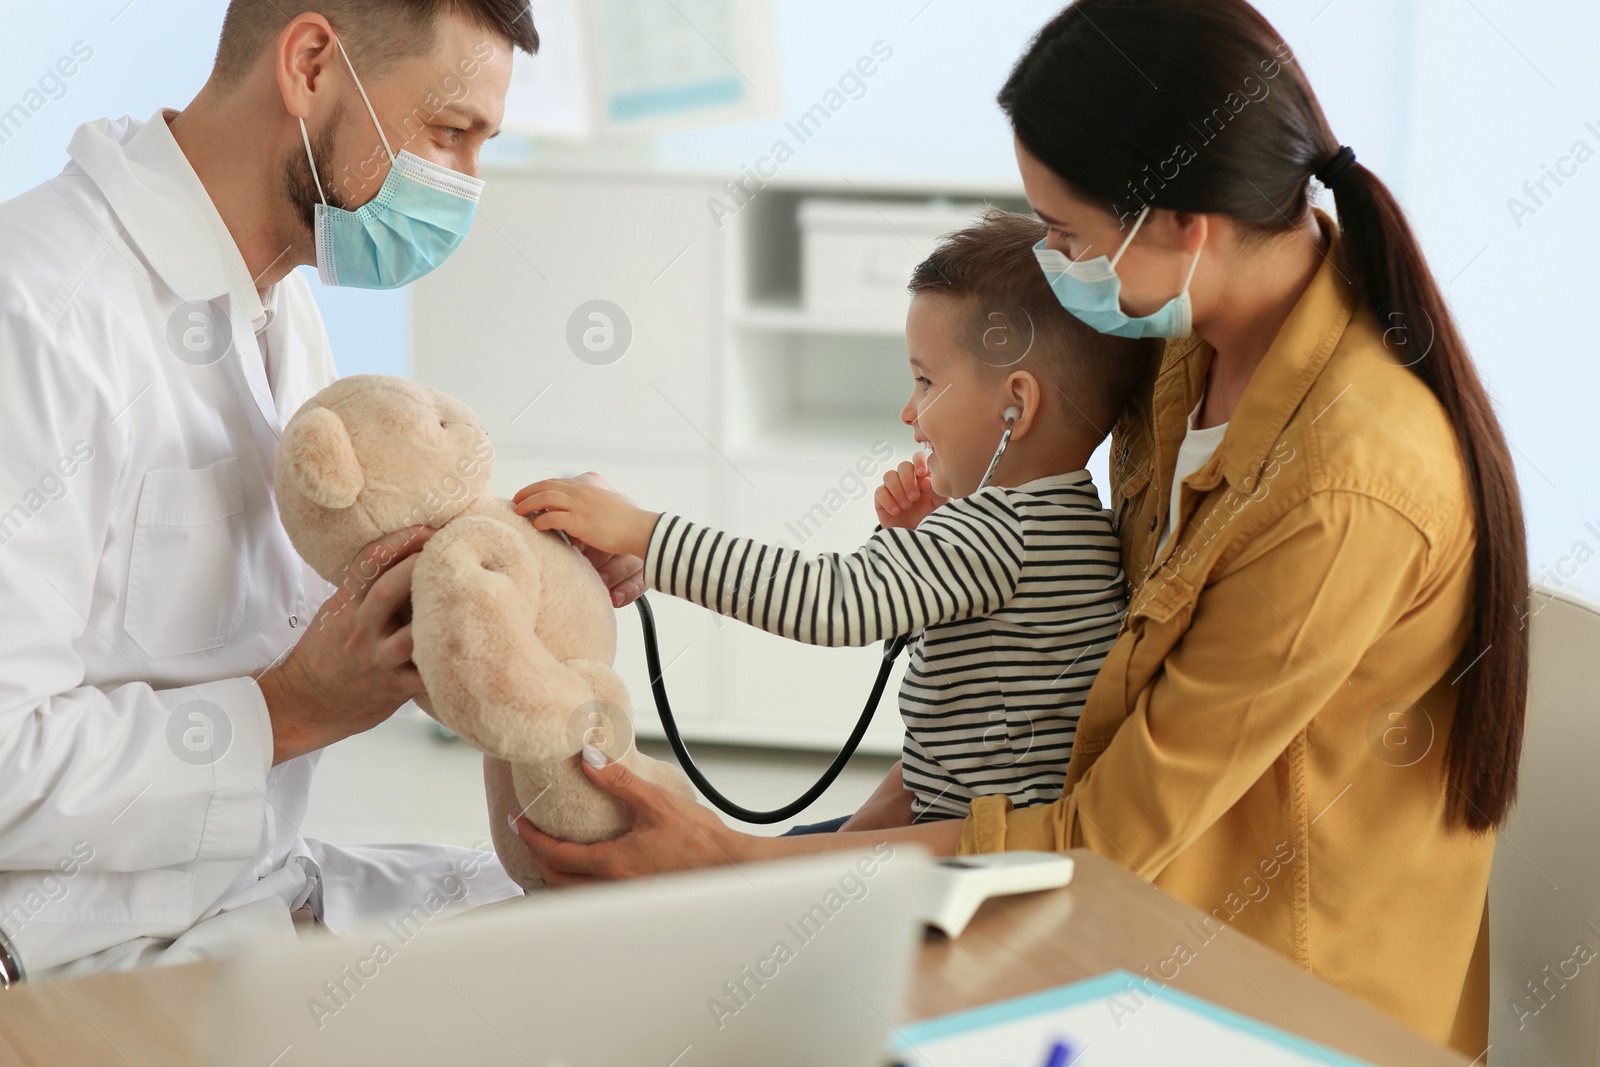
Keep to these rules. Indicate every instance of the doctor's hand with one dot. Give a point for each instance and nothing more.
(352, 668)
(615, 533)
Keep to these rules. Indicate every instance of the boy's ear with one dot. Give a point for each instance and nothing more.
(1023, 392)
(322, 460)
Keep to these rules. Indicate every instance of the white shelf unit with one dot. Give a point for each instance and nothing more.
(736, 404)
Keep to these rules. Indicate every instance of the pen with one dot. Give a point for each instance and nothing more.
(1060, 1052)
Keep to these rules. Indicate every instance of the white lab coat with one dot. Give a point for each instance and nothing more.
(143, 570)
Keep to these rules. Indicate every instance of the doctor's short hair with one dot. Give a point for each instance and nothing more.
(377, 33)
(1015, 322)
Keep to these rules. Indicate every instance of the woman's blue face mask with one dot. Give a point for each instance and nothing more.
(419, 217)
(1091, 290)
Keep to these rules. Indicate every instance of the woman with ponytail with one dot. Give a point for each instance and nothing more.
(1324, 656)
(1310, 723)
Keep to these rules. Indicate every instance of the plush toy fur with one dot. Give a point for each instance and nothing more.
(514, 633)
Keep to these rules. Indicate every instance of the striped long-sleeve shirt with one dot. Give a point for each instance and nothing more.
(1014, 594)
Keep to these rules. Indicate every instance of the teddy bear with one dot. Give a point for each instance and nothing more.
(513, 631)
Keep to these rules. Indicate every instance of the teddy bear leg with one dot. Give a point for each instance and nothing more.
(607, 724)
(605, 720)
(502, 797)
(558, 798)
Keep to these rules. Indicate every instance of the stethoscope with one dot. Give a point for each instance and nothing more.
(669, 724)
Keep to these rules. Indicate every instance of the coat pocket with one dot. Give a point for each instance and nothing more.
(1133, 502)
(1129, 501)
(1166, 597)
(186, 587)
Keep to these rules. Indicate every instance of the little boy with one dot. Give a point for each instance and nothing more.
(1014, 591)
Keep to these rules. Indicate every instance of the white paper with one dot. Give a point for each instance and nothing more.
(670, 63)
(549, 92)
(1115, 1020)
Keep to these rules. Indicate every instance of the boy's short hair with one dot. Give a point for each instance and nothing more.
(1016, 323)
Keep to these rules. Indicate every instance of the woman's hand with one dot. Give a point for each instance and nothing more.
(673, 834)
(906, 496)
(668, 834)
(612, 532)
(889, 805)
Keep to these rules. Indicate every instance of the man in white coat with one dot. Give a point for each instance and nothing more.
(167, 676)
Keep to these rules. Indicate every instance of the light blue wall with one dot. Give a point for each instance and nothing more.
(931, 110)
(1455, 103)
(1504, 89)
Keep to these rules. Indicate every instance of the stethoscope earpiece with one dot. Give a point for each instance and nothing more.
(1011, 414)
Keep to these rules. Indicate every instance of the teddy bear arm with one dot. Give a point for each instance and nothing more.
(490, 679)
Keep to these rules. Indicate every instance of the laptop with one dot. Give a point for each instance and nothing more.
(794, 962)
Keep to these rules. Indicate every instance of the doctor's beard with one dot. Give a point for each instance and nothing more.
(300, 186)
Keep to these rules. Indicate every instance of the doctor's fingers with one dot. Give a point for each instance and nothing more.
(623, 575)
(375, 613)
(627, 591)
(378, 556)
(394, 653)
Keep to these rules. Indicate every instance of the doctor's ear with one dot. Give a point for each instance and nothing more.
(322, 460)
(303, 61)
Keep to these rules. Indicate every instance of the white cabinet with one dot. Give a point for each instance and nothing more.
(787, 691)
(492, 325)
(737, 402)
(855, 255)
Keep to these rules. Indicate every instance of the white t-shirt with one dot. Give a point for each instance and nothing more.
(1196, 449)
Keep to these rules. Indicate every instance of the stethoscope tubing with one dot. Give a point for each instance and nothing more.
(669, 722)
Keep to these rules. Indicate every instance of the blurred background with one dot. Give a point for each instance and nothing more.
(688, 270)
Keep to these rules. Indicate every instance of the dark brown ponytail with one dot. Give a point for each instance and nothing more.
(1198, 105)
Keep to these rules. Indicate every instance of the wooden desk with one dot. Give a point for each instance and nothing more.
(1107, 919)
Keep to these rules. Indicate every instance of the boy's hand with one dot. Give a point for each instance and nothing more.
(906, 496)
(597, 515)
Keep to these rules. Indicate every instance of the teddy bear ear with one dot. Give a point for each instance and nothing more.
(322, 460)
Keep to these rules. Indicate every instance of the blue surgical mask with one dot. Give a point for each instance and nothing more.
(1091, 290)
(420, 215)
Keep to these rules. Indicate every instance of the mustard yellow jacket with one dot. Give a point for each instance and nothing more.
(1265, 739)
